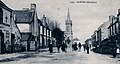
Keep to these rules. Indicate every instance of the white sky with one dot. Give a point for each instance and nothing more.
(85, 17)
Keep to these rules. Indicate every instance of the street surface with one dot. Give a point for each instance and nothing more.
(71, 57)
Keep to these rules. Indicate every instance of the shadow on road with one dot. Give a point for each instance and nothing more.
(18, 58)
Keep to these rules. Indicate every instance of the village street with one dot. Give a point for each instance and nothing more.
(71, 57)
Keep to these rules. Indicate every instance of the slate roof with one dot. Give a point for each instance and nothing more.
(40, 22)
(23, 16)
(4, 6)
(76, 39)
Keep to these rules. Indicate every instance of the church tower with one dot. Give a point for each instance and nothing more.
(68, 31)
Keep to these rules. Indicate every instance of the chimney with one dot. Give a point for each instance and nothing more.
(111, 18)
(33, 6)
(118, 11)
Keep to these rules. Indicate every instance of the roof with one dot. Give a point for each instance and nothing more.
(76, 39)
(40, 22)
(23, 16)
(4, 6)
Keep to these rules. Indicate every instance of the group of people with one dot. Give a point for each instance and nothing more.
(62, 46)
(75, 46)
(78, 46)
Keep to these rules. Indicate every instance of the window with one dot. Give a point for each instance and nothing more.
(6, 18)
(68, 28)
(44, 31)
(41, 30)
(117, 29)
(113, 29)
(111, 33)
(1, 16)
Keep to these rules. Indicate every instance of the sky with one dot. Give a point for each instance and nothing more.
(86, 17)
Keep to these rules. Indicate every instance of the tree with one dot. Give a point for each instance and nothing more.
(58, 34)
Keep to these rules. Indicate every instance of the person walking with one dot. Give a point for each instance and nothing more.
(114, 52)
(84, 46)
(76, 47)
(50, 47)
(87, 48)
(79, 45)
(64, 47)
(73, 47)
(58, 47)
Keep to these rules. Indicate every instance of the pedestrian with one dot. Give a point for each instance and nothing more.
(64, 47)
(114, 52)
(50, 47)
(79, 45)
(73, 47)
(76, 47)
(58, 47)
(84, 47)
(87, 48)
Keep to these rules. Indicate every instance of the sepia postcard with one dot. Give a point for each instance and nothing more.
(59, 31)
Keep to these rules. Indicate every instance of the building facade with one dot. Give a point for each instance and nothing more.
(114, 31)
(45, 32)
(102, 33)
(9, 32)
(94, 39)
(28, 17)
(108, 35)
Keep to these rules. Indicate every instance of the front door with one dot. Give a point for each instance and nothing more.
(1, 42)
(12, 42)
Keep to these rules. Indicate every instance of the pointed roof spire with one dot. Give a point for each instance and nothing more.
(68, 15)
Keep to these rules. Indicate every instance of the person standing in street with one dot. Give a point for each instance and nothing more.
(75, 47)
(79, 45)
(58, 47)
(87, 48)
(114, 52)
(64, 47)
(50, 47)
(84, 46)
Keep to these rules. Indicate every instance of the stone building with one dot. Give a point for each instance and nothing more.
(27, 21)
(94, 39)
(35, 33)
(100, 38)
(102, 33)
(9, 32)
(45, 32)
(114, 30)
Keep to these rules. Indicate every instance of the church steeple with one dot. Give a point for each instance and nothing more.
(68, 15)
(68, 32)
